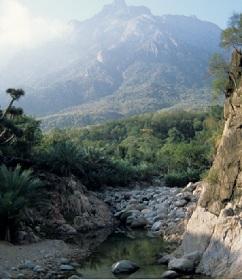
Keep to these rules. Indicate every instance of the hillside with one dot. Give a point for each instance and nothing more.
(123, 61)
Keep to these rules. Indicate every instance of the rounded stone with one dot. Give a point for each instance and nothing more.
(124, 267)
(66, 267)
(169, 274)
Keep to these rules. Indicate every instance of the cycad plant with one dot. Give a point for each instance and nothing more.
(17, 186)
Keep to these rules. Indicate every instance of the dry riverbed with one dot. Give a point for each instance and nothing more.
(158, 210)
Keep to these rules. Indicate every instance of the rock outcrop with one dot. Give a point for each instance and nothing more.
(66, 208)
(215, 228)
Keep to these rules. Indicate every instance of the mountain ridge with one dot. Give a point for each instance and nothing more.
(123, 60)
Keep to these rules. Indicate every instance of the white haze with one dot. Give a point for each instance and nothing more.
(20, 30)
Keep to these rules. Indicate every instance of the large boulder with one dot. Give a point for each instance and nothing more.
(127, 213)
(165, 259)
(139, 222)
(124, 267)
(182, 265)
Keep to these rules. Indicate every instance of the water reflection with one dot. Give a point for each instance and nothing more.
(139, 248)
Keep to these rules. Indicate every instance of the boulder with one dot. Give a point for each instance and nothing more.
(124, 267)
(146, 211)
(66, 229)
(64, 261)
(139, 222)
(180, 213)
(38, 269)
(195, 257)
(160, 217)
(135, 206)
(187, 196)
(183, 265)
(165, 259)
(181, 203)
(156, 226)
(190, 187)
(127, 213)
(66, 267)
(169, 274)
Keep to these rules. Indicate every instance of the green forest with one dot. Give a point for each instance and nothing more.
(177, 146)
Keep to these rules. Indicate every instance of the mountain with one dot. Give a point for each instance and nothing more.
(123, 61)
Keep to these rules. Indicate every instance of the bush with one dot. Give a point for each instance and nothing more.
(181, 179)
(16, 190)
(146, 172)
(100, 170)
(62, 158)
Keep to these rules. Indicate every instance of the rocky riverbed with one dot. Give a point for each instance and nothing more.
(161, 210)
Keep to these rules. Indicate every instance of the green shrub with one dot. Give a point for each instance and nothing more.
(100, 170)
(16, 190)
(146, 172)
(62, 158)
(181, 179)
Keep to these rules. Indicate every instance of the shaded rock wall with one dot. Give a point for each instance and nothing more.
(66, 209)
(215, 228)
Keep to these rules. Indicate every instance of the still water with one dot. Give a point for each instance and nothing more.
(135, 246)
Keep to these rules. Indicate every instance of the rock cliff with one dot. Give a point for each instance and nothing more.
(215, 228)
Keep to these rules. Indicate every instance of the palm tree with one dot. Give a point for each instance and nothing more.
(16, 188)
(8, 131)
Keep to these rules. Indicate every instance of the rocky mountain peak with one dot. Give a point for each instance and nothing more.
(119, 8)
(115, 7)
(119, 4)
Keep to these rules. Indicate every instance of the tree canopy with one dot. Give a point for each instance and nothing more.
(232, 35)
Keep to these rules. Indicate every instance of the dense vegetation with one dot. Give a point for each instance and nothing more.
(175, 145)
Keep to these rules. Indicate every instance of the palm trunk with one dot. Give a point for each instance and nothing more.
(7, 234)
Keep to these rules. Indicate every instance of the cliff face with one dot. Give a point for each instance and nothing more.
(215, 228)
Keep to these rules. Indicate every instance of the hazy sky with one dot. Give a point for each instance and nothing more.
(216, 11)
(26, 24)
